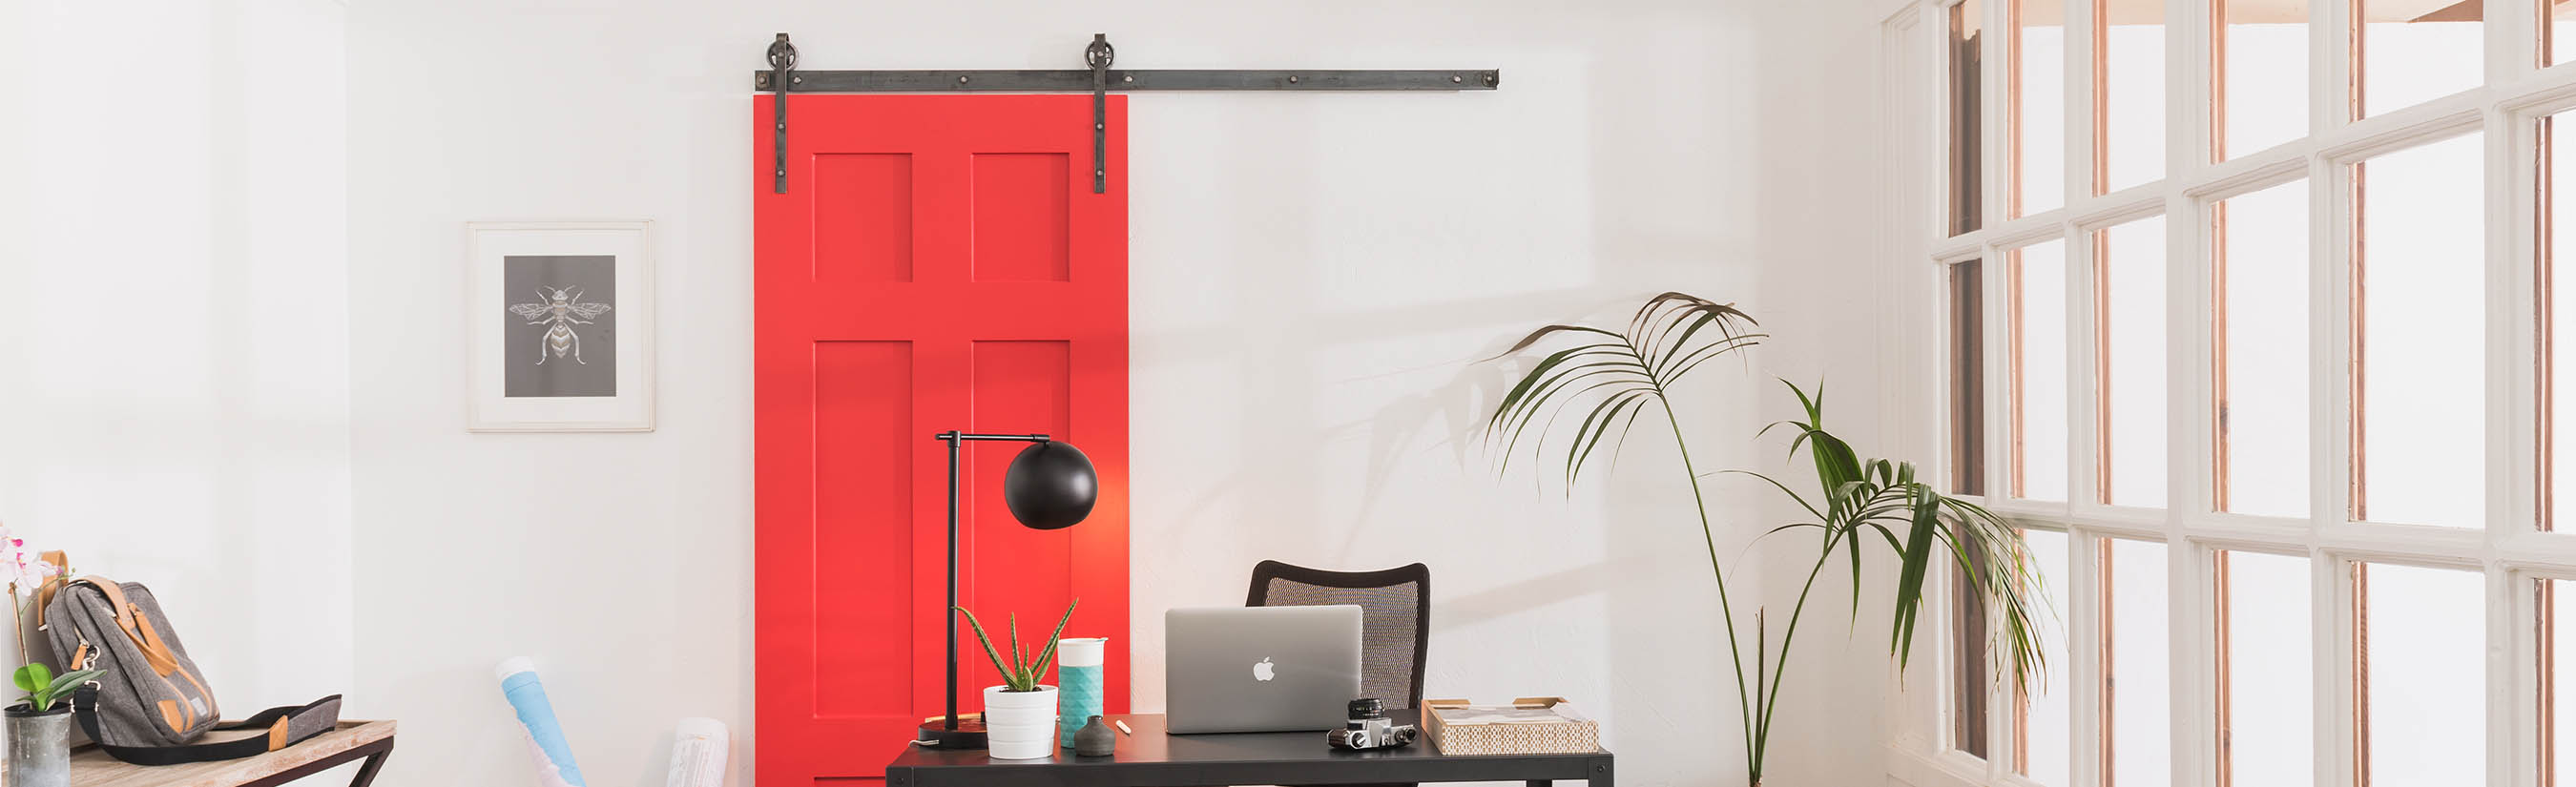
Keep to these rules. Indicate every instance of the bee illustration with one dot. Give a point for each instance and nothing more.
(560, 309)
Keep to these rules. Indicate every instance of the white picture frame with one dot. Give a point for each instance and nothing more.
(538, 328)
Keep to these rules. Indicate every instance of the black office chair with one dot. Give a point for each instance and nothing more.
(1395, 622)
(1395, 618)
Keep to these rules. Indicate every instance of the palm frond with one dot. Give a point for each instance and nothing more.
(1607, 377)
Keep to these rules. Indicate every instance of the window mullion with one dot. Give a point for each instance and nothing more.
(2084, 624)
(2082, 124)
(2330, 71)
(2513, 408)
(2084, 389)
(1994, 107)
(2191, 737)
(2530, 643)
(2504, 701)
(2512, 38)
(2335, 695)
(2329, 347)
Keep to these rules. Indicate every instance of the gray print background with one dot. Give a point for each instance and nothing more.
(531, 280)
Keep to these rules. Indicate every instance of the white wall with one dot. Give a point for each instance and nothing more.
(174, 376)
(1311, 274)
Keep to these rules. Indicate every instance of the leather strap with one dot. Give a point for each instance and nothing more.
(130, 618)
(323, 715)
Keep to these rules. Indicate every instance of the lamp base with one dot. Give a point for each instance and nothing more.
(968, 735)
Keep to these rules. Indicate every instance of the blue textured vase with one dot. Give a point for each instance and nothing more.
(1081, 692)
(1079, 665)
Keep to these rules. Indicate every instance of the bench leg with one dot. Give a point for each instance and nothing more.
(367, 772)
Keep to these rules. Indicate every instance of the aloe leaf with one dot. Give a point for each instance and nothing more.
(989, 652)
(1019, 657)
(1047, 658)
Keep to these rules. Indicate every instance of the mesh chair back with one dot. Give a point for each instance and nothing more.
(1395, 618)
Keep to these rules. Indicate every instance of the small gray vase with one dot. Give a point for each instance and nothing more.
(1095, 739)
(40, 747)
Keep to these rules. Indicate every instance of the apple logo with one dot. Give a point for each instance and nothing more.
(1263, 671)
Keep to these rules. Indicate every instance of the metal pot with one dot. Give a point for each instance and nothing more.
(40, 746)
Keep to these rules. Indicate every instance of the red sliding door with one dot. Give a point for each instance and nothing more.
(937, 263)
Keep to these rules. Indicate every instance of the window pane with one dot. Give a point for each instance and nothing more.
(2130, 274)
(2136, 685)
(2557, 649)
(2038, 105)
(2261, 77)
(2038, 299)
(2259, 256)
(2423, 671)
(2558, 22)
(2266, 675)
(1967, 378)
(2418, 265)
(2130, 119)
(1967, 72)
(1968, 661)
(2413, 51)
(2044, 745)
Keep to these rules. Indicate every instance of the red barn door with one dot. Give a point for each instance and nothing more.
(937, 263)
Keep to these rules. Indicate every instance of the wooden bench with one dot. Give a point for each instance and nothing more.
(350, 742)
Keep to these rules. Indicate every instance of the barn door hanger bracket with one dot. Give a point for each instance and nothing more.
(1098, 54)
(1098, 79)
(782, 71)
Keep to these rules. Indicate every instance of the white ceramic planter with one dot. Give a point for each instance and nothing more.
(1020, 725)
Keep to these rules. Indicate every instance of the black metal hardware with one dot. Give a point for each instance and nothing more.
(1098, 79)
(1099, 55)
(782, 67)
(1079, 80)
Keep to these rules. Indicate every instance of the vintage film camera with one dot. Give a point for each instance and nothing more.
(1369, 728)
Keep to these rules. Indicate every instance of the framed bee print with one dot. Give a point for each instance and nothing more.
(559, 320)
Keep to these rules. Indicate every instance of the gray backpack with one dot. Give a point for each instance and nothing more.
(151, 702)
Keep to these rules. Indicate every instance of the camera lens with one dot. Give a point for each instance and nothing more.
(1367, 708)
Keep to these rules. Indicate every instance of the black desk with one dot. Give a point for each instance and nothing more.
(1151, 758)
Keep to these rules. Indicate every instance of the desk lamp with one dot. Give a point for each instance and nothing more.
(1050, 486)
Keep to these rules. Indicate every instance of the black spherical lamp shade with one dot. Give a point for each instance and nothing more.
(1051, 486)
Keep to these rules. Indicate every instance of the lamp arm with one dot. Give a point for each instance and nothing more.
(954, 436)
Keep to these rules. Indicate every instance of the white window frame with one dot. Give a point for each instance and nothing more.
(2509, 552)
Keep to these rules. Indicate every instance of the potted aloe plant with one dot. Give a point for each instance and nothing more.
(40, 725)
(1019, 715)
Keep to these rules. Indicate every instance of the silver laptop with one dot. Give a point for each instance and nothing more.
(1260, 669)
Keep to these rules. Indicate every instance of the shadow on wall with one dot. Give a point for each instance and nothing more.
(1307, 329)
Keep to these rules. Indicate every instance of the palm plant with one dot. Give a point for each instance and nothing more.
(1616, 376)
(1879, 498)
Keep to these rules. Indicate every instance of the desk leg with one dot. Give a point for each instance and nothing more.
(367, 772)
(1602, 773)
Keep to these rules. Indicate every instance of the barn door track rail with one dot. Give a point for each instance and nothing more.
(1098, 79)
